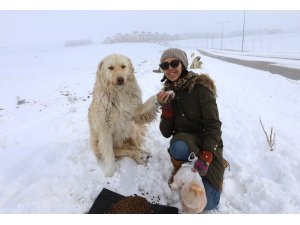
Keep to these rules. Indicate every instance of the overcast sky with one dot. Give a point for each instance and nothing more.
(27, 27)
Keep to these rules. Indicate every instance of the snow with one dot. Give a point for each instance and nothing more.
(47, 165)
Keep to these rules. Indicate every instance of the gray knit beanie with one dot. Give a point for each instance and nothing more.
(175, 53)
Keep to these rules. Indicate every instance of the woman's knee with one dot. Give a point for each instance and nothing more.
(179, 150)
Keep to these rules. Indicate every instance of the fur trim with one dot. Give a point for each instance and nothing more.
(205, 81)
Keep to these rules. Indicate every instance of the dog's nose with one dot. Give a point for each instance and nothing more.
(120, 80)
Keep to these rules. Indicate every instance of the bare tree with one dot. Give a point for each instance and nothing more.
(270, 138)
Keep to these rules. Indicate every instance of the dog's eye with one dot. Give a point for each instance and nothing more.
(111, 67)
(123, 66)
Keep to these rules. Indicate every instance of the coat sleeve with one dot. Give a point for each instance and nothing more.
(166, 127)
(211, 124)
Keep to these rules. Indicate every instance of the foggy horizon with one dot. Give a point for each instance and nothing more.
(41, 26)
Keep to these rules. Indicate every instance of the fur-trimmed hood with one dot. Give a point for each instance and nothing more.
(205, 81)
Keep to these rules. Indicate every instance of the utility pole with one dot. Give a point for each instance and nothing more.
(243, 31)
(207, 39)
(222, 23)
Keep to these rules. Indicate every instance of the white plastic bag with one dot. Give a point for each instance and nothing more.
(193, 196)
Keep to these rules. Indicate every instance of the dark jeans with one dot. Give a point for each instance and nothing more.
(179, 150)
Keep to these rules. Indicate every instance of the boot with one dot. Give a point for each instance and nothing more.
(177, 164)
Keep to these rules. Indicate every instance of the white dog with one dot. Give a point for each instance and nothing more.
(196, 63)
(193, 196)
(117, 115)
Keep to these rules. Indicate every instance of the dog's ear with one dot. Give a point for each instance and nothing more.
(100, 65)
(100, 72)
(131, 69)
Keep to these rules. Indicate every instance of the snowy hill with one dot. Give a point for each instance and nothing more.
(47, 166)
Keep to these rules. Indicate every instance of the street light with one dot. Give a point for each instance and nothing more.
(222, 23)
(243, 31)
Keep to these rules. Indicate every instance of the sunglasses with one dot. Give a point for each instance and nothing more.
(165, 65)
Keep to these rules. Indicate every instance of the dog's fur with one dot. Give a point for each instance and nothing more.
(117, 115)
(193, 196)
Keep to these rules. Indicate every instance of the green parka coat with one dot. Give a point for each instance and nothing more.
(196, 121)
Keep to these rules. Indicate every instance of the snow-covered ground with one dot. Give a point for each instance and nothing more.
(47, 166)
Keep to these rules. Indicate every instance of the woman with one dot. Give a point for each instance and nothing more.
(191, 117)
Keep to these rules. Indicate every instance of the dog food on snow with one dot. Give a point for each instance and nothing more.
(131, 205)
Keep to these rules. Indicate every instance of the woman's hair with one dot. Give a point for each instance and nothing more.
(184, 72)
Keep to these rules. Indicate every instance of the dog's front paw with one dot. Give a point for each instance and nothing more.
(143, 157)
(110, 171)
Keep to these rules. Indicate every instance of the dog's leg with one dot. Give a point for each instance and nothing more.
(147, 112)
(106, 146)
(94, 145)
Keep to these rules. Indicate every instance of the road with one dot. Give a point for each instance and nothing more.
(290, 73)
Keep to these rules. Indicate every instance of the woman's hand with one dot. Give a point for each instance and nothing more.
(165, 97)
